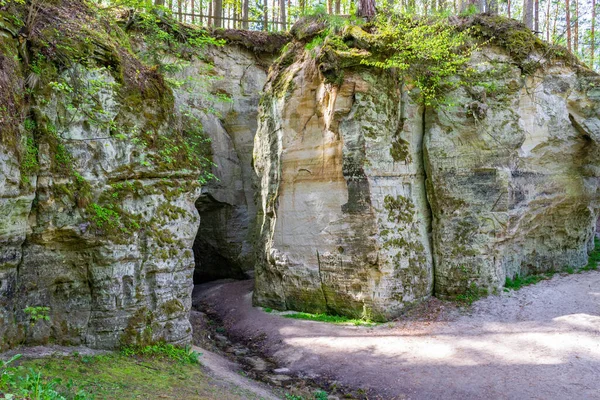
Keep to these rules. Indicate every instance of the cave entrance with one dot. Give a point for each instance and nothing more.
(219, 244)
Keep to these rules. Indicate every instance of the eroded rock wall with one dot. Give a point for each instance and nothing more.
(514, 186)
(345, 221)
(102, 164)
(370, 202)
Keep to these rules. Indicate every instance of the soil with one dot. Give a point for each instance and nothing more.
(540, 342)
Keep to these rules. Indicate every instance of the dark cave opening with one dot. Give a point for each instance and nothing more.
(217, 246)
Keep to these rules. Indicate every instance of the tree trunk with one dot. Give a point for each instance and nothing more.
(282, 16)
(554, 25)
(593, 34)
(338, 7)
(193, 12)
(492, 7)
(576, 28)
(568, 17)
(218, 13)
(548, 22)
(245, 9)
(536, 10)
(528, 13)
(365, 9)
(210, 8)
(266, 15)
(159, 3)
(508, 2)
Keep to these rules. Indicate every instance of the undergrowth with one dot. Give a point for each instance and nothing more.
(163, 350)
(333, 319)
(112, 375)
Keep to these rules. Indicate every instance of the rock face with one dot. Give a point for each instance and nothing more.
(370, 202)
(102, 167)
(514, 190)
(224, 244)
(346, 220)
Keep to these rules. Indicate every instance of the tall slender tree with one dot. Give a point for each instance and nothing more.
(593, 34)
(576, 27)
(245, 10)
(218, 13)
(536, 11)
(528, 13)
(365, 9)
(282, 16)
(568, 21)
(548, 20)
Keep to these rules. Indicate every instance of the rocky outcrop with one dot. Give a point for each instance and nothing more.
(514, 190)
(103, 167)
(370, 202)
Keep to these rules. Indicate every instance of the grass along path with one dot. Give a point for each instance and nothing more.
(144, 374)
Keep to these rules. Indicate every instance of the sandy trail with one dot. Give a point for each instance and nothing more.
(542, 342)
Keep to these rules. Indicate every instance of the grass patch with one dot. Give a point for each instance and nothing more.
(332, 319)
(153, 372)
(518, 282)
(167, 351)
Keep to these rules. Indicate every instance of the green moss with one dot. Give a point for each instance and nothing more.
(400, 209)
(517, 39)
(400, 151)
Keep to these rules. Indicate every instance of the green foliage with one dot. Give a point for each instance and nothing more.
(430, 51)
(320, 395)
(38, 313)
(317, 395)
(163, 350)
(472, 294)
(333, 319)
(103, 216)
(518, 282)
(29, 160)
(21, 383)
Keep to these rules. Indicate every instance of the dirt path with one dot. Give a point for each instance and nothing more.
(542, 342)
(228, 372)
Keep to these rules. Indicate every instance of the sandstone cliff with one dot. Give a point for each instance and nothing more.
(102, 161)
(371, 200)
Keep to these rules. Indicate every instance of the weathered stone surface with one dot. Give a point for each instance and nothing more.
(514, 191)
(224, 244)
(344, 215)
(350, 171)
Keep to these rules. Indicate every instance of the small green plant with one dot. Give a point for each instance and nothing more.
(472, 294)
(518, 282)
(37, 313)
(267, 309)
(430, 51)
(163, 350)
(594, 257)
(321, 395)
(21, 383)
